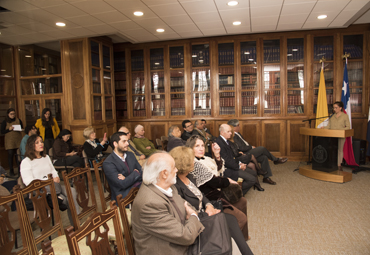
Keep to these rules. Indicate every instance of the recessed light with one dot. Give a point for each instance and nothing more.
(322, 16)
(294, 49)
(60, 24)
(138, 14)
(232, 3)
(236, 23)
(247, 53)
(160, 30)
(27, 56)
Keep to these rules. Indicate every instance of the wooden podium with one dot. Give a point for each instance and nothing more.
(326, 171)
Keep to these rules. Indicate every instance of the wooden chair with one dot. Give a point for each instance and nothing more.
(126, 217)
(103, 185)
(158, 143)
(85, 196)
(164, 138)
(12, 221)
(58, 168)
(97, 224)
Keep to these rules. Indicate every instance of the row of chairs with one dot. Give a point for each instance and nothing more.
(98, 223)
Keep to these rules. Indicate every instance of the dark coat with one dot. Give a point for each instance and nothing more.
(231, 165)
(174, 142)
(91, 152)
(242, 146)
(186, 135)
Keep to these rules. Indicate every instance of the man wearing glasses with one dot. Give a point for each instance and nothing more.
(188, 130)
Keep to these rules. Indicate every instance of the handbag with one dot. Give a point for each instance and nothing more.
(232, 193)
(215, 238)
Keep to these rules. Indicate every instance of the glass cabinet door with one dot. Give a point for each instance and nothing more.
(201, 92)
(249, 95)
(138, 83)
(177, 90)
(226, 79)
(120, 84)
(158, 103)
(200, 55)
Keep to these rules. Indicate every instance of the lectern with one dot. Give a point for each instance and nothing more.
(325, 155)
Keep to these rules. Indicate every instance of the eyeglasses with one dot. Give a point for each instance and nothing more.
(189, 126)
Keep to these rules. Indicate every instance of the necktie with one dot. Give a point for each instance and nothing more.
(242, 139)
(133, 149)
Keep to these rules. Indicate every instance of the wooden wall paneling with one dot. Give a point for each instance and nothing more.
(251, 131)
(77, 133)
(157, 130)
(274, 136)
(111, 129)
(297, 144)
(211, 128)
(360, 127)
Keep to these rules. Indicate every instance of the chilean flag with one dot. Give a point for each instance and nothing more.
(347, 149)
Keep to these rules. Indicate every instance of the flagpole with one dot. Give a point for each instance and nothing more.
(322, 62)
(346, 56)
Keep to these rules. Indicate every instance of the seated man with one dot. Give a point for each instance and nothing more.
(199, 130)
(29, 130)
(261, 153)
(174, 139)
(233, 168)
(143, 144)
(162, 222)
(188, 130)
(121, 168)
(140, 157)
(204, 122)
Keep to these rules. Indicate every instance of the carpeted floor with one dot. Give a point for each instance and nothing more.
(305, 216)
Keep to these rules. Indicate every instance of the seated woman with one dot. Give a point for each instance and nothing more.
(142, 143)
(187, 189)
(37, 165)
(93, 147)
(63, 152)
(207, 174)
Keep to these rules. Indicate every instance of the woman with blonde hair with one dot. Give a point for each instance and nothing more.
(93, 147)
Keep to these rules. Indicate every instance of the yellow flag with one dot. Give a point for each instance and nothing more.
(322, 104)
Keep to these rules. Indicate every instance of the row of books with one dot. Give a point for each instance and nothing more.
(226, 57)
(249, 110)
(177, 111)
(272, 110)
(159, 112)
(355, 74)
(121, 105)
(109, 114)
(248, 101)
(120, 84)
(98, 115)
(178, 103)
(295, 109)
(119, 76)
(137, 63)
(202, 88)
(354, 65)
(200, 57)
(227, 110)
(96, 87)
(329, 98)
(323, 51)
(177, 60)
(202, 112)
(177, 81)
(249, 86)
(271, 54)
(294, 76)
(226, 70)
(119, 61)
(139, 105)
(227, 87)
(354, 50)
(156, 61)
(356, 99)
(226, 80)
(158, 103)
(158, 90)
(95, 60)
(295, 100)
(272, 100)
(157, 82)
(139, 113)
(273, 92)
(356, 108)
(227, 101)
(248, 55)
(295, 53)
(249, 78)
(295, 85)
(120, 114)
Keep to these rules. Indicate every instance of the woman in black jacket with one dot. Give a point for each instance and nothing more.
(187, 189)
(63, 152)
(93, 147)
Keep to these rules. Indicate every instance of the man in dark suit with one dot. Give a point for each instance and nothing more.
(174, 140)
(234, 169)
(188, 130)
(261, 153)
(162, 222)
(121, 168)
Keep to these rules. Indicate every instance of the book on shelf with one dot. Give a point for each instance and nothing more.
(323, 51)
(248, 55)
(227, 110)
(273, 109)
(226, 57)
(177, 111)
(178, 103)
(201, 57)
(199, 111)
(139, 113)
(177, 60)
(137, 63)
(249, 109)
(156, 61)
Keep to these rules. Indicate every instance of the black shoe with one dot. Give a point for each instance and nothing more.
(258, 187)
(261, 172)
(280, 161)
(269, 181)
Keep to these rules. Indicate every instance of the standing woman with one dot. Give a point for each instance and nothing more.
(12, 138)
(48, 127)
(339, 121)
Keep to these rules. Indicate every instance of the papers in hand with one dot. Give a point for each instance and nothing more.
(17, 128)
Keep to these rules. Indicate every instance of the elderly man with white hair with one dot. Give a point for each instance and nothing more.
(143, 144)
(162, 222)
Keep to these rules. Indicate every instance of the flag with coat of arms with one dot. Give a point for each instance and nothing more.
(347, 149)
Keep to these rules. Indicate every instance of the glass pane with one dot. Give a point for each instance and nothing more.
(328, 74)
(97, 108)
(120, 83)
(177, 104)
(271, 77)
(353, 44)
(96, 81)
(226, 78)
(108, 108)
(156, 59)
(295, 76)
(137, 60)
(295, 50)
(41, 86)
(26, 62)
(249, 102)
(356, 100)
(329, 99)
(323, 47)
(295, 101)
(6, 61)
(107, 83)
(138, 85)
(55, 106)
(248, 52)
(355, 74)
(177, 81)
(271, 51)
(5, 104)
(201, 79)
(119, 61)
(157, 82)
(227, 103)
(158, 105)
(95, 54)
(177, 57)
(249, 77)
(32, 110)
(202, 104)
(272, 102)
(121, 107)
(106, 57)
(138, 103)
(7, 87)
(226, 54)
(200, 55)
(54, 64)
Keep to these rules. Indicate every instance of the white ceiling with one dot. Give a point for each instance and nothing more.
(33, 21)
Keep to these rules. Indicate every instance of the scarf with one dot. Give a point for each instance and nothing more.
(201, 174)
(100, 155)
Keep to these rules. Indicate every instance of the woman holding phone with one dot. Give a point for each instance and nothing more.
(93, 147)
(64, 153)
